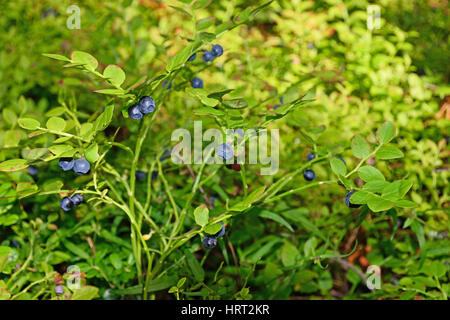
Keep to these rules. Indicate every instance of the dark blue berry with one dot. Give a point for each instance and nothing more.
(146, 105)
(310, 156)
(59, 290)
(208, 56)
(192, 58)
(225, 151)
(81, 166)
(213, 200)
(66, 204)
(135, 113)
(165, 84)
(66, 163)
(209, 242)
(347, 200)
(343, 161)
(221, 233)
(217, 50)
(141, 175)
(197, 83)
(276, 107)
(32, 170)
(165, 155)
(76, 199)
(155, 175)
(309, 175)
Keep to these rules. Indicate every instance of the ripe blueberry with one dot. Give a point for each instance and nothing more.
(59, 290)
(32, 170)
(225, 151)
(221, 233)
(76, 199)
(66, 163)
(347, 200)
(310, 156)
(192, 58)
(146, 105)
(134, 112)
(81, 166)
(208, 56)
(154, 175)
(140, 175)
(309, 175)
(197, 83)
(66, 204)
(217, 50)
(209, 242)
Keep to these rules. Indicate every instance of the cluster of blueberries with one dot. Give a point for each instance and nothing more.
(208, 56)
(80, 167)
(210, 242)
(145, 106)
(68, 203)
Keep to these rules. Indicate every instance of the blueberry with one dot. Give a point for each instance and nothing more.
(197, 83)
(134, 112)
(165, 84)
(49, 11)
(146, 105)
(310, 156)
(217, 50)
(66, 204)
(32, 170)
(347, 200)
(140, 175)
(309, 175)
(221, 233)
(225, 151)
(208, 56)
(276, 107)
(76, 199)
(213, 200)
(81, 166)
(192, 58)
(59, 289)
(66, 163)
(155, 175)
(15, 243)
(165, 155)
(209, 242)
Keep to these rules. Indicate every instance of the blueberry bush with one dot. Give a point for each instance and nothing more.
(93, 207)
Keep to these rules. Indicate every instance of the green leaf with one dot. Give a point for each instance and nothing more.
(203, 96)
(113, 92)
(13, 165)
(205, 23)
(11, 138)
(277, 218)
(182, 11)
(360, 148)
(92, 153)
(75, 249)
(180, 58)
(289, 254)
(85, 293)
(388, 152)
(194, 265)
(56, 124)
(199, 4)
(359, 197)
(204, 111)
(212, 228)
(247, 202)
(386, 132)
(25, 189)
(377, 204)
(104, 119)
(115, 74)
(405, 204)
(375, 186)
(9, 116)
(56, 56)
(369, 173)
(84, 58)
(59, 149)
(236, 103)
(28, 123)
(338, 167)
(201, 215)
